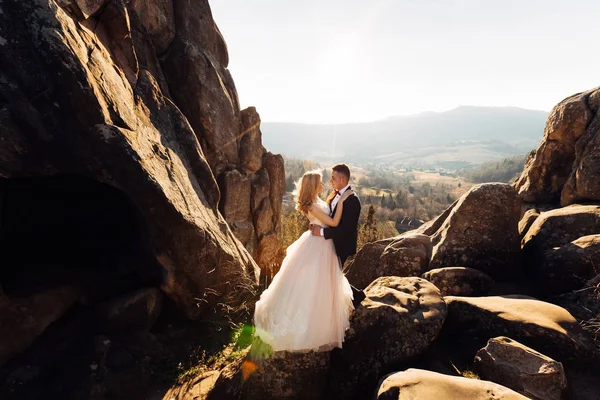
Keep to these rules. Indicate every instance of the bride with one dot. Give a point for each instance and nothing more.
(308, 304)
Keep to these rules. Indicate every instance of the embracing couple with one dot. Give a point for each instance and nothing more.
(308, 304)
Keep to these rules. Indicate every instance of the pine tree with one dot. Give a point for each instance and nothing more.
(368, 230)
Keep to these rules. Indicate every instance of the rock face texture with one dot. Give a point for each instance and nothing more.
(564, 169)
(398, 320)
(481, 232)
(421, 384)
(544, 327)
(137, 95)
(511, 364)
(460, 281)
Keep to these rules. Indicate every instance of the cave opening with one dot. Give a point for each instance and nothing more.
(72, 230)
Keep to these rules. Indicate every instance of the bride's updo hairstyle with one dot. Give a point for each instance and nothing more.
(307, 190)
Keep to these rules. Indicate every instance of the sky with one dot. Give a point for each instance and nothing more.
(341, 61)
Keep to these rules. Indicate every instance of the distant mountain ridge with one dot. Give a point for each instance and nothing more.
(465, 135)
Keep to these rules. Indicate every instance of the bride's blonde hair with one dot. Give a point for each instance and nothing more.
(307, 190)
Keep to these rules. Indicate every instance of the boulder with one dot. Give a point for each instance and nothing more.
(516, 366)
(543, 326)
(23, 319)
(568, 267)
(481, 232)
(404, 255)
(283, 375)
(90, 97)
(460, 281)
(548, 168)
(556, 228)
(421, 384)
(362, 269)
(398, 320)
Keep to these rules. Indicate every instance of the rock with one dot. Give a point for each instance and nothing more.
(404, 255)
(235, 199)
(568, 267)
(511, 364)
(94, 102)
(199, 388)
(481, 232)
(556, 228)
(90, 7)
(543, 326)
(527, 220)
(157, 16)
(548, 168)
(284, 375)
(421, 384)
(362, 269)
(407, 255)
(398, 320)
(583, 183)
(251, 148)
(23, 319)
(460, 281)
(274, 166)
(137, 311)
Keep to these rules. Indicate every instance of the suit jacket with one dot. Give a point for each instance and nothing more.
(345, 234)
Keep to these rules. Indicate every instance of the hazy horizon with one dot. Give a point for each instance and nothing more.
(345, 61)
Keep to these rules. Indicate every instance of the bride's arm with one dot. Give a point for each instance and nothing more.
(326, 219)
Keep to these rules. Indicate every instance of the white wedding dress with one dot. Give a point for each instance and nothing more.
(308, 304)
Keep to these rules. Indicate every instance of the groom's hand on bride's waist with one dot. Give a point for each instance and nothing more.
(315, 230)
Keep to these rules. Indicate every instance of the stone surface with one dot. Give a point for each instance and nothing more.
(554, 229)
(548, 168)
(421, 384)
(158, 17)
(460, 281)
(90, 97)
(23, 319)
(398, 320)
(543, 326)
(568, 267)
(511, 364)
(281, 376)
(362, 269)
(132, 312)
(481, 232)
(404, 255)
(527, 220)
(251, 148)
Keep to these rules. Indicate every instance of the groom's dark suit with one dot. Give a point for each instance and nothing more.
(345, 236)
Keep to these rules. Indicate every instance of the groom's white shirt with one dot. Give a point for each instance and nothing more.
(335, 200)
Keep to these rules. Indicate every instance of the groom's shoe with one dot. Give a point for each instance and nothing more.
(358, 295)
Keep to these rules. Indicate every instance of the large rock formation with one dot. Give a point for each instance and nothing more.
(83, 92)
(564, 169)
(126, 163)
(481, 232)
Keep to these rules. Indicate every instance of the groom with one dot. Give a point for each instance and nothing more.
(345, 234)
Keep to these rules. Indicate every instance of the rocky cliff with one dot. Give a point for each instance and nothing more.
(127, 169)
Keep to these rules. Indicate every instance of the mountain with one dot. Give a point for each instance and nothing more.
(462, 136)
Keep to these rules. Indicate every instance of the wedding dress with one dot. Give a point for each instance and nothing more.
(308, 304)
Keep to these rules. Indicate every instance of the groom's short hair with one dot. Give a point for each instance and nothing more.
(342, 169)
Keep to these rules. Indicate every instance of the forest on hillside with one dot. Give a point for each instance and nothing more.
(394, 200)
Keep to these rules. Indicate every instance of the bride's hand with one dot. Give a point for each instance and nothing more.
(346, 194)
